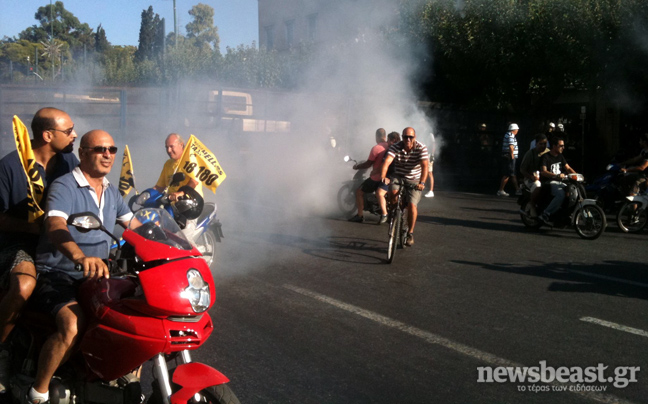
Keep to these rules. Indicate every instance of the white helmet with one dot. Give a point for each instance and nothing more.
(552, 125)
(513, 126)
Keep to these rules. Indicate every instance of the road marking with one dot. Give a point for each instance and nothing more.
(615, 326)
(444, 342)
(608, 278)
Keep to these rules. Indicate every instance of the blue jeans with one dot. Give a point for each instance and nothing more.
(558, 192)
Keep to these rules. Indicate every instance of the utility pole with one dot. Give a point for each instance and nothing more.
(52, 36)
(175, 24)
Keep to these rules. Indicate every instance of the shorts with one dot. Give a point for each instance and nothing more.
(413, 194)
(532, 185)
(508, 166)
(10, 257)
(431, 165)
(369, 186)
(53, 291)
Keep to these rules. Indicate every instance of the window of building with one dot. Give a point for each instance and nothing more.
(269, 31)
(312, 26)
(290, 33)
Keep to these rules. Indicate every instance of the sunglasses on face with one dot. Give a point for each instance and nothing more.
(102, 149)
(408, 137)
(66, 131)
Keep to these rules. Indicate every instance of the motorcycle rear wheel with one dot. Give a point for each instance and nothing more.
(394, 234)
(346, 199)
(531, 222)
(632, 217)
(221, 394)
(590, 222)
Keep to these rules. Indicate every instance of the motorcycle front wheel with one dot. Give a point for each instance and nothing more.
(221, 394)
(590, 222)
(632, 217)
(207, 246)
(346, 199)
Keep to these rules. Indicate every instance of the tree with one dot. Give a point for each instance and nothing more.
(101, 42)
(151, 36)
(202, 27)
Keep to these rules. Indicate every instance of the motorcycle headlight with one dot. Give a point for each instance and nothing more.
(197, 292)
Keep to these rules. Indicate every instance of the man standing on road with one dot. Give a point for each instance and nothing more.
(554, 167)
(373, 183)
(431, 151)
(509, 157)
(410, 159)
(62, 247)
(52, 144)
(530, 169)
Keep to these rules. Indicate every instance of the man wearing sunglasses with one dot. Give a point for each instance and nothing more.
(554, 167)
(530, 169)
(62, 247)
(52, 144)
(411, 161)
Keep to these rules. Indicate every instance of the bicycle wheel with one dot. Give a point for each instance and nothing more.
(632, 217)
(394, 227)
(403, 229)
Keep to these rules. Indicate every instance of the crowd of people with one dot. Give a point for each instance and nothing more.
(39, 258)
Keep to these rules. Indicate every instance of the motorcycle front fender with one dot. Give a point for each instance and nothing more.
(588, 202)
(193, 377)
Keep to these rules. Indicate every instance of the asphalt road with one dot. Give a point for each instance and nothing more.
(308, 311)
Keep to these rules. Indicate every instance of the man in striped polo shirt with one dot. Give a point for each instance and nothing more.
(410, 159)
(509, 157)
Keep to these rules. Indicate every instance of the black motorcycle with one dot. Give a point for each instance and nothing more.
(346, 197)
(583, 214)
(607, 189)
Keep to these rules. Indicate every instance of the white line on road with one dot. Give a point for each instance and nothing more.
(615, 326)
(438, 340)
(608, 278)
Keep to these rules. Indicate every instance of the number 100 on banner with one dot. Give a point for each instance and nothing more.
(199, 163)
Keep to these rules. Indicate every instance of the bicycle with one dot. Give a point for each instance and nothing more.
(397, 219)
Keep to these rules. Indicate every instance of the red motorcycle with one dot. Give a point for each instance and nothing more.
(153, 307)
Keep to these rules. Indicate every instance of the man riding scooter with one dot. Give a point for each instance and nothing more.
(554, 167)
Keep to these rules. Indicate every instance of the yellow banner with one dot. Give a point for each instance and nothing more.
(199, 163)
(28, 160)
(126, 178)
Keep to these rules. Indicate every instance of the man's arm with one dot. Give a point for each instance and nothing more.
(58, 233)
(569, 169)
(364, 165)
(385, 167)
(512, 151)
(424, 166)
(10, 224)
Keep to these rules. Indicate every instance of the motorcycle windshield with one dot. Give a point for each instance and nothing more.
(157, 225)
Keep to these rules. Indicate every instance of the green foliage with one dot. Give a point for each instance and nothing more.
(151, 36)
(101, 42)
(202, 27)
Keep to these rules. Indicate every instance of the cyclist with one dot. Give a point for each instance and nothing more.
(410, 159)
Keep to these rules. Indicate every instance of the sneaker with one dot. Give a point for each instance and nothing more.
(545, 218)
(502, 193)
(518, 192)
(382, 220)
(26, 400)
(409, 240)
(4, 371)
(357, 219)
(430, 194)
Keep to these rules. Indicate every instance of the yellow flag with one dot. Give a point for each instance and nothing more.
(34, 180)
(199, 163)
(126, 178)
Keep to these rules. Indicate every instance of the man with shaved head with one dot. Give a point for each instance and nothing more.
(62, 247)
(174, 146)
(52, 143)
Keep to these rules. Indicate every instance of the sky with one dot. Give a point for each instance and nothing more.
(237, 20)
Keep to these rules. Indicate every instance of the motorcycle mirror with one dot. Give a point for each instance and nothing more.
(346, 159)
(85, 221)
(177, 178)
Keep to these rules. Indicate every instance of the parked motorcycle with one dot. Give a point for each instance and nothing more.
(153, 307)
(346, 197)
(607, 189)
(583, 214)
(632, 216)
(208, 229)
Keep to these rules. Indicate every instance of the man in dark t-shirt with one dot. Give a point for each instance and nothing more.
(52, 144)
(554, 167)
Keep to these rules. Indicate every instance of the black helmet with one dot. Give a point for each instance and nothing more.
(190, 205)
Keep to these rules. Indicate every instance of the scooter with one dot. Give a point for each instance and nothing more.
(209, 229)
(583, 214)
(153, 307)
(346, 197)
